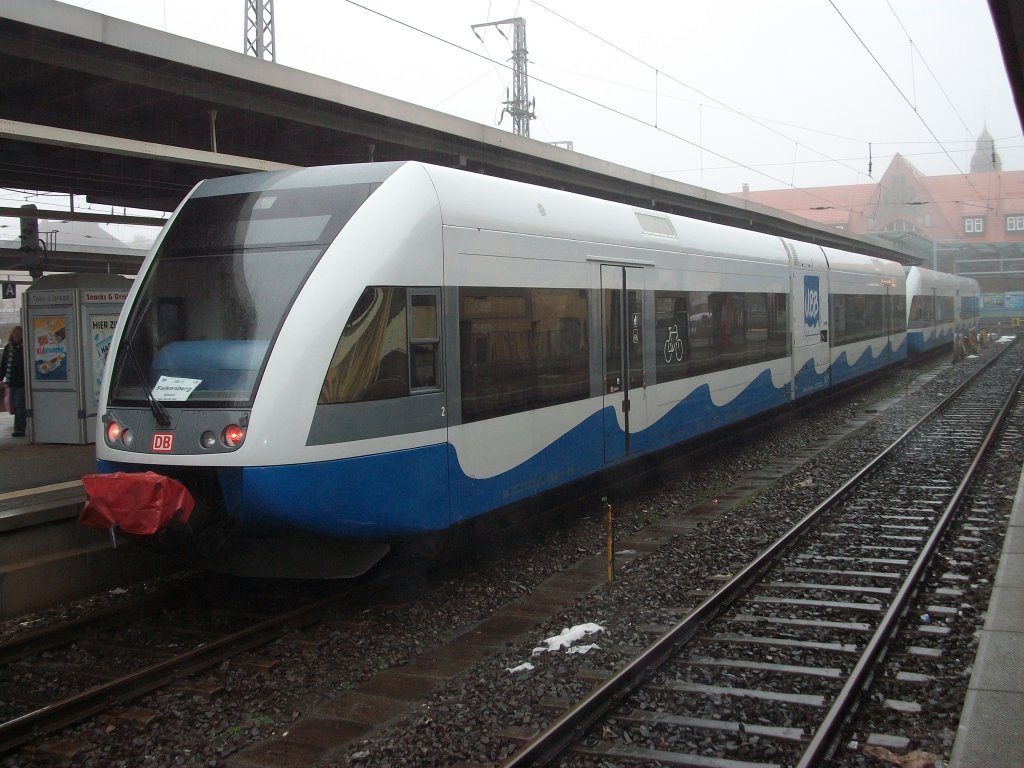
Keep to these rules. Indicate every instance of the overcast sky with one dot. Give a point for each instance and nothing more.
(716, 93)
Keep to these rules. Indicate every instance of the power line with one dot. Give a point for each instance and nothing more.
(930, 72)
(561, 89)
(859, 158)
(658, 71)
(903, 95)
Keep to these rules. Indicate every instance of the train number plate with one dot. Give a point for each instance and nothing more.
(163, 442)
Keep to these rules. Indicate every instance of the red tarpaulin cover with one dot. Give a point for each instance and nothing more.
(141, 503)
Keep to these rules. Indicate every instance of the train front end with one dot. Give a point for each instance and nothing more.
(207, 376)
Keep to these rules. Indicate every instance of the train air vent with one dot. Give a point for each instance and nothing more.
(655, 225)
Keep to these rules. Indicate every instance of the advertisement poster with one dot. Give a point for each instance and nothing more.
(49, 342)
(101, 332)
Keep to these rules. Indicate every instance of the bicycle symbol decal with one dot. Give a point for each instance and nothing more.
(674, 345)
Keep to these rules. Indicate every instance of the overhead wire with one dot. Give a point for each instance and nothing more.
(657, 71)
(586, 99)
(903, 95)
(926, 66)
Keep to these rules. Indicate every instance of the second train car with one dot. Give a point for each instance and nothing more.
(940, 306)
(363, 353)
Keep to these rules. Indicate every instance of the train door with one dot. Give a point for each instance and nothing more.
(811, 352)
(622, 341)
(889, 320)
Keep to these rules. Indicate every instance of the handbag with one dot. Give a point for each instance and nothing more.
(8, 401)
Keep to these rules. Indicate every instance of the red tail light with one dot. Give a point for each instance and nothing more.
(234, 436)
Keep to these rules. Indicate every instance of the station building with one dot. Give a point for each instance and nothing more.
(969, 224)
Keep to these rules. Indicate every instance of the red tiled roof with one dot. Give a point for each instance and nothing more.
(934, 206)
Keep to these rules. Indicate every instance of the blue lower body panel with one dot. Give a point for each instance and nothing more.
(843, 370)
(922, 341)
(370, 497)
(579, 453)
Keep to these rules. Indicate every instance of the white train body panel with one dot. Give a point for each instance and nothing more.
(939, 305)
(858, 347)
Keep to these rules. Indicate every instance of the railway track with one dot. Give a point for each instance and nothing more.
(767, 670)
(69, 672)
(102, 691)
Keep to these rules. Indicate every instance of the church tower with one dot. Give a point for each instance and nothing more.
(985, 159)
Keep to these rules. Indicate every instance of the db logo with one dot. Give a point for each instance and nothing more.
(163, 442)
(812, 306)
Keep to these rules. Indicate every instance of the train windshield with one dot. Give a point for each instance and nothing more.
(227, 271)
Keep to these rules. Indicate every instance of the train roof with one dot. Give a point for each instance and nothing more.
(932, 277)
(844, 261)
(473, 200)
(485, 202)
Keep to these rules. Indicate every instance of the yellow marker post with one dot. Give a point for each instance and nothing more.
(611, 541)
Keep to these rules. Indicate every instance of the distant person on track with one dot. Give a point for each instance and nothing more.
(12, 367)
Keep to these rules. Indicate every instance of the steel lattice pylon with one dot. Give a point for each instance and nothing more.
(259, 29)
(519, 106)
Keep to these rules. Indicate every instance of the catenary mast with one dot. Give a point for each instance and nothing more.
(259, 29)
(519, 106)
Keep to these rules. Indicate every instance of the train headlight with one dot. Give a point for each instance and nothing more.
(207, 439)
(233, 436)
(118, 435)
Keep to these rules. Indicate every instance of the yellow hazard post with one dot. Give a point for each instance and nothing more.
(611, 539)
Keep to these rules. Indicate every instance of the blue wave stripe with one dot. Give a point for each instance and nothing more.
(916, 342)
(843, 370)
(369, 497)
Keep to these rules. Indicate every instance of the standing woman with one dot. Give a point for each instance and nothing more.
(14, 377)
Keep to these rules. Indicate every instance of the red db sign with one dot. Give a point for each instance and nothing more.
(163, 442)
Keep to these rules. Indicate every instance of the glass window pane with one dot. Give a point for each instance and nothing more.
(225, 275)
(424, 316)
(521, 349)
(371, 361)
(424, 365)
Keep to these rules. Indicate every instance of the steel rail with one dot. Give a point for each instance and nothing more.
(824, 740)
(575, 722)
(51, 717)
(68, 632)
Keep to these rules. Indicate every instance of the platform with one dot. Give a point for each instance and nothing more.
(989, 735)
(25, 465)
(46, 558)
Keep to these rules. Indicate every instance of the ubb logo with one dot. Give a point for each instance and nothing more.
(812, 303)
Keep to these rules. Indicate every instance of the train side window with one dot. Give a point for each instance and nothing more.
(899, 312)
(371, 360)
(916, 310)
(728, 311)
(756, 328)
(945, 309)
(861, 316)
(778, 325)
(424, 340)
(522, 349)
(699, 332)
(703, 332)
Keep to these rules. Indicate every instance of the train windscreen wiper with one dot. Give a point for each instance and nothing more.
(163, 418)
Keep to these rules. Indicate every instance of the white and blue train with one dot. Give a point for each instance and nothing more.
(357, 354)
(940, 306)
